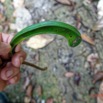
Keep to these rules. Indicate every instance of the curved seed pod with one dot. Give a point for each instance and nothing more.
(98, 76)
(49, 27)
(54, 27)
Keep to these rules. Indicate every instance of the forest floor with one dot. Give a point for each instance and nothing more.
(71, 71)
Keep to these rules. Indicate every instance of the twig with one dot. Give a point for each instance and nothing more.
(34, 66)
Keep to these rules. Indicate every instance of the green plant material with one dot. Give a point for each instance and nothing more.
(49, 27)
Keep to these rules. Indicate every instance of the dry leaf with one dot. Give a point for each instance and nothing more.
(39, 41)
(69, 74)
(1, 16)
(12, 26)
(27, 100)
(92, 57)
(64, 100)
(90, 90)
(18, 3)
(99, 23)
(50, 100)
(87, 39)
(98, 76)
(78, 21)
(2, 1)
(97, 26)
(33, 101)
(2, 13)
(29, 91)
(26, 83)
(93, 60)
(100, 94)
(67, 2)
(39, 90)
